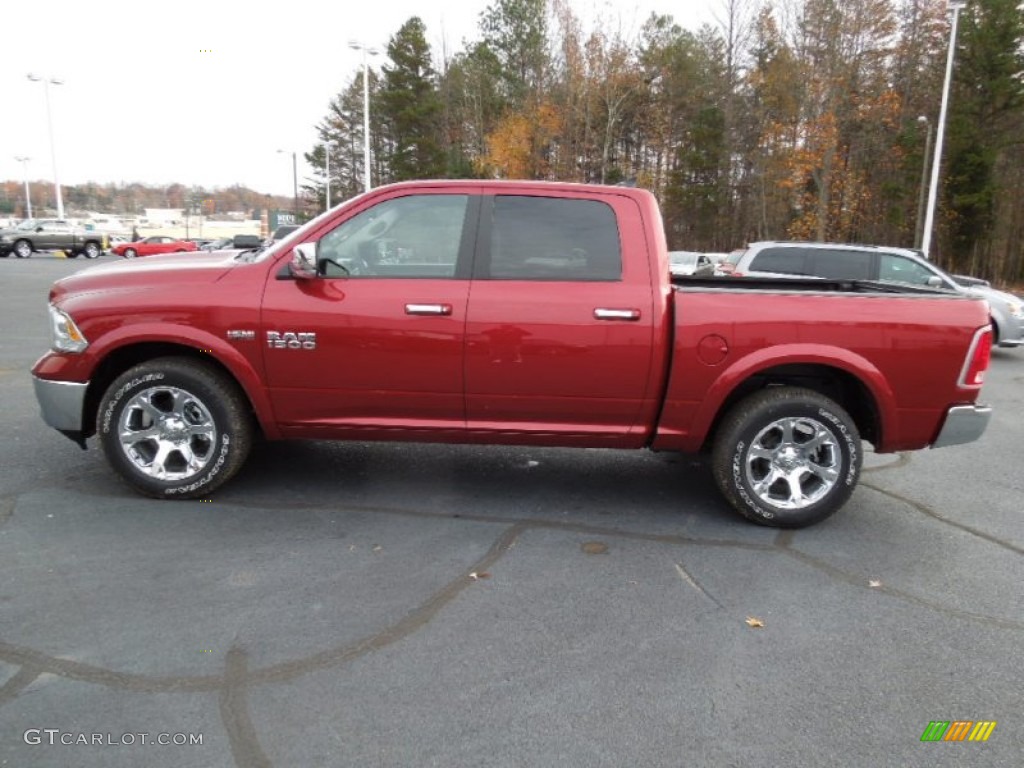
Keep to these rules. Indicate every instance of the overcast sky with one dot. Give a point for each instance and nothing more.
(205, 93)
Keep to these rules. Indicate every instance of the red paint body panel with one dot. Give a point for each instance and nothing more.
(539, 361)
(907, 351)
(375, 365)
(517, 361)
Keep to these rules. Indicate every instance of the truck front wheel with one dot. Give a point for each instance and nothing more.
(22, 249)
(174, 428)
(787, 457)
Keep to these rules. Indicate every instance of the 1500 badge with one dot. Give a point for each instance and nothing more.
(291, 340)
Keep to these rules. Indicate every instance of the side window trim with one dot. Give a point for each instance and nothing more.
(471, 238)
(481, 268)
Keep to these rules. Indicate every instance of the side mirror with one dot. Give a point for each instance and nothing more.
(303, 263)
(935, 282)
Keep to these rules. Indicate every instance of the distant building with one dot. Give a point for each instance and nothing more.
(164, 217)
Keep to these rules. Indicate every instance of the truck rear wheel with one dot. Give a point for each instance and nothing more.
(174, 428)
(91, 250)
(787, 457)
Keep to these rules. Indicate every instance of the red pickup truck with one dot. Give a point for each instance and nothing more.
(506, 312)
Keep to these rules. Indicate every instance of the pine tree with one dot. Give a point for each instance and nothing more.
(411, 107)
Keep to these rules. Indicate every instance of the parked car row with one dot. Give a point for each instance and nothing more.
(883, 264)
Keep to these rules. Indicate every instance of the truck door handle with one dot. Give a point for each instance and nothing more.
(428, 309)
(602, 313)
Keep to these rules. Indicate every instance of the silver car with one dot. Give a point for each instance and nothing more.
(868, 262)
(689, 263)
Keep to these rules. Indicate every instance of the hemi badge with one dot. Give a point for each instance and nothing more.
(242, 335)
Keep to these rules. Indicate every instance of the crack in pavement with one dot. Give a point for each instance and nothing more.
(21, 680)
(690, 579)
(237, 680)
(275, 673)
(292, 669)
(7, 508)
(926, 510)
(955, 613)
(234, 712)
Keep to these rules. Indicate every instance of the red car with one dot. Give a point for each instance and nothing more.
(152, 245)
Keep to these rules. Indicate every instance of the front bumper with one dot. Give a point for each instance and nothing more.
(963, 424)
(62, 404)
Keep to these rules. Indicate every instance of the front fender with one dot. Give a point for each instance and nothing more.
(237, 364)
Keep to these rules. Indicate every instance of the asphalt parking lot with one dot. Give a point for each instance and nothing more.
(413, 605)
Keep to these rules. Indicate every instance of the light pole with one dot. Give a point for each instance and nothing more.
(926, 237)
(367, 52)
(47, 82)
(28, 194)
(919, 221)
(295, 184)
(327, 174)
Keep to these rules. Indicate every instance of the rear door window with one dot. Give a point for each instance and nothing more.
(547, 238)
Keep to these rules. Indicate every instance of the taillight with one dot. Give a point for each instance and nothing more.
(978, 358)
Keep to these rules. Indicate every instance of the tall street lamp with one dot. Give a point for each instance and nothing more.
(28, 194)
(327, 174)
(926, 239)
(47, 82)
(367, 52)
(295, 184)
(919, 221)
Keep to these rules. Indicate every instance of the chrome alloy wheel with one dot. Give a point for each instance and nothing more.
(167, 433)
(793, 462)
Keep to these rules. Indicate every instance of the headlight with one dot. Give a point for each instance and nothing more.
(64, 334)
(1016, 308)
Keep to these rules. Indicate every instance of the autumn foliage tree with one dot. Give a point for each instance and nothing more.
(807, 119)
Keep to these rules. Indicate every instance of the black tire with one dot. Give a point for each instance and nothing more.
(780, 482)
(130, 253)
(190, 424)
(91, 250)
(22, 249)
(72, 254)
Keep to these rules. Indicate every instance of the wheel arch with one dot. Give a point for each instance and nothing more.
(835, 383)
(118, 360)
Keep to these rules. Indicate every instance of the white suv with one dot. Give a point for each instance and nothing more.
(837, 261)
